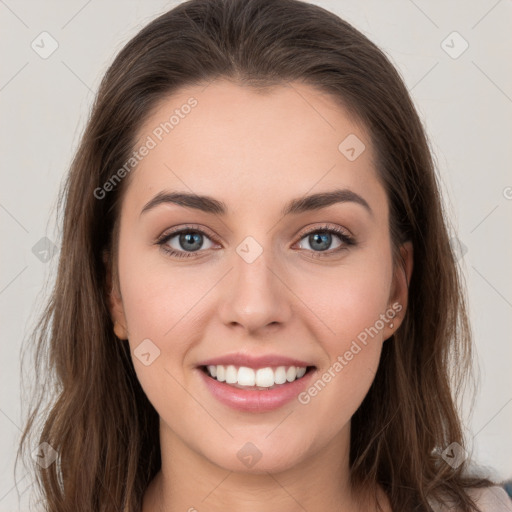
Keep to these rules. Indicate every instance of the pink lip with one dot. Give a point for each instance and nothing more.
(269, 360)
(256, 400)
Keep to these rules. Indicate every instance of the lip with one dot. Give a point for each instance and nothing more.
(257, 400)
(254, 362)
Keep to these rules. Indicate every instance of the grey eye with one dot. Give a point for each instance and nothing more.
(189, 241)
(320, 241)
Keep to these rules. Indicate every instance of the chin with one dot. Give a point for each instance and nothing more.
(253, 457)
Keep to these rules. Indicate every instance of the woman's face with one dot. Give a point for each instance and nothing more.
(261, 278)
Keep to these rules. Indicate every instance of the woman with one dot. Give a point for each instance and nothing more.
(256, 302)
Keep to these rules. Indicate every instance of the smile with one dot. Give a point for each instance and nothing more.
(266, 378)
(268, 392)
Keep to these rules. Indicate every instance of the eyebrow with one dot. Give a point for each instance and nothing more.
(208, 204)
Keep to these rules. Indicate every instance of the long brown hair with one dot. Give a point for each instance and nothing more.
(97, 417)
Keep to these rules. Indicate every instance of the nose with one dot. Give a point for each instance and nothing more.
(257, 297)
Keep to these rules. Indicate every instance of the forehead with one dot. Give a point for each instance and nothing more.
(236, 141)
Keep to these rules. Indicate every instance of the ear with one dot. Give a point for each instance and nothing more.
(400, 288)
(115, 302)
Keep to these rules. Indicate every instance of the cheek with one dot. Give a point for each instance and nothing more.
(348, 300)
(353, 312)
(155, 299)
(356, 305)
(157, 305)
(167, 306)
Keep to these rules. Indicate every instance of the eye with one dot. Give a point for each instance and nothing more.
(185, 242)
(321, 239)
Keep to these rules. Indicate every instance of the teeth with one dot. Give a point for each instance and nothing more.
(291, 373)
(265, 377)
(221, 373)
(280, 375)
(231, 375)
(262, 377)
(246, 376)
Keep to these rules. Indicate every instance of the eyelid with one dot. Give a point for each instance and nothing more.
(313, 228)
(345, 236)
(169, 233)
(343, 233)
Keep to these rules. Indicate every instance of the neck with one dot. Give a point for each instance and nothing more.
(189, 482)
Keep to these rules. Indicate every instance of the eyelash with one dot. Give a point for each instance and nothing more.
(342, 234)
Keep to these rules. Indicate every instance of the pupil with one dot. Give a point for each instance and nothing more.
(187, 240)
(323, 238)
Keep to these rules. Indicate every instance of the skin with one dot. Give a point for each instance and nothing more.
(255, 152)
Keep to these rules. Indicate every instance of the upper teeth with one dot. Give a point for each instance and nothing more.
(262, 377)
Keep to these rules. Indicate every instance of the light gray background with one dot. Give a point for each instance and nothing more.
(465, 103)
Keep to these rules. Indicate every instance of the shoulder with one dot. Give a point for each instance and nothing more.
(487, 499)
(491, 499)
